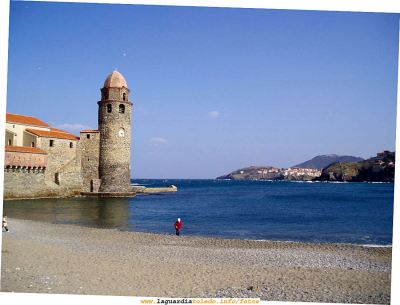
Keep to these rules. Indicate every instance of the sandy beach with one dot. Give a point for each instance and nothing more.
(41, 257)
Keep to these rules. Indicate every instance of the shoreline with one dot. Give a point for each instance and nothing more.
(222, 238)
(43, 257)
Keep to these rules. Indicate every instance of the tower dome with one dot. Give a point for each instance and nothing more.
(116, 80)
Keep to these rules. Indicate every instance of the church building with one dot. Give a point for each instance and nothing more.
(42, 161)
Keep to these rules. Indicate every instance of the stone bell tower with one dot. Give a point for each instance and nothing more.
(115, 135)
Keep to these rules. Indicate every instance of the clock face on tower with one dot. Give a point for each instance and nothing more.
(121, 133)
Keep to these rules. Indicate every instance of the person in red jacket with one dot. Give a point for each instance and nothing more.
(178, 226)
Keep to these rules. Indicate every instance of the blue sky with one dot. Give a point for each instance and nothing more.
(213, 89)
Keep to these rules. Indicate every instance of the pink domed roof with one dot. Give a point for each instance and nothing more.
(115, 79)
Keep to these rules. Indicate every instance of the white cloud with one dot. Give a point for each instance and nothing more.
(158, 141)
(213, 114)
(74, 128)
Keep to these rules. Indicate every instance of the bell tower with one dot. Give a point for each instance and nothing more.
(115, 135)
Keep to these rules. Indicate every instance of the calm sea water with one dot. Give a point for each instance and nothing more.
(356, 213)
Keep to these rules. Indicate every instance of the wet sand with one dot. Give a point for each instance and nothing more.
(40, 257)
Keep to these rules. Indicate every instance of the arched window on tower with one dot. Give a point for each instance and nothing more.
(109, 108)
(124, 96)
(121, 108)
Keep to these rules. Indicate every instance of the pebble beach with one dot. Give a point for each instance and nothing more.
(41, 257)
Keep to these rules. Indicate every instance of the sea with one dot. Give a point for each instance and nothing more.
(316, 212)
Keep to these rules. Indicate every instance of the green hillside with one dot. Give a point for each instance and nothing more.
(319, 162)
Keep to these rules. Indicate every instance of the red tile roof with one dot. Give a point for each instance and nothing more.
(23, 119)
(58, 130)
(25, 149)
(52, 134)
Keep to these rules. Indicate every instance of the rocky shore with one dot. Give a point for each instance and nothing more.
(65, 259)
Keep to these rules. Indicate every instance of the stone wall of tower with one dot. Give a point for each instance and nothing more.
(114, 94)
(114, 157)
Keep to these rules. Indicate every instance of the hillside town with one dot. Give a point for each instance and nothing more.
(273, 173)
(325, 168)
(385, 160)
(297, 171)
(291, 171)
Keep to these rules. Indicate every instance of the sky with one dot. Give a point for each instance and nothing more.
(213, 89)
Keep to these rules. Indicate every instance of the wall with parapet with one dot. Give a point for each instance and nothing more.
(26, 175)
(24, 183)
(24, 159)
(20, 182)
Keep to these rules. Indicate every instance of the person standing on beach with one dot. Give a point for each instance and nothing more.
(178, 226)
(4, 225)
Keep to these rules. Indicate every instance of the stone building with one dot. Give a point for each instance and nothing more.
(43, 161)
(115, 135)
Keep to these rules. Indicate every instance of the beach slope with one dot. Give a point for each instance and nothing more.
(41, 257)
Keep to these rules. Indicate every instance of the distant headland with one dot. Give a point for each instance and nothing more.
(329, 167)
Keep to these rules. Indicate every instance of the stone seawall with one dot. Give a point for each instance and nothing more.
(24, 184)
(159, 190)
(108, 195)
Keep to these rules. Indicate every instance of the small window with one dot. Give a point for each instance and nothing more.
(13, 126)
(33, 144)
(71, 145)
(9, 142)
(105, 95)
(57, 178)
(124, 96)
(109, 109)
(88, 136)
(121, 108)
(51, 143)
